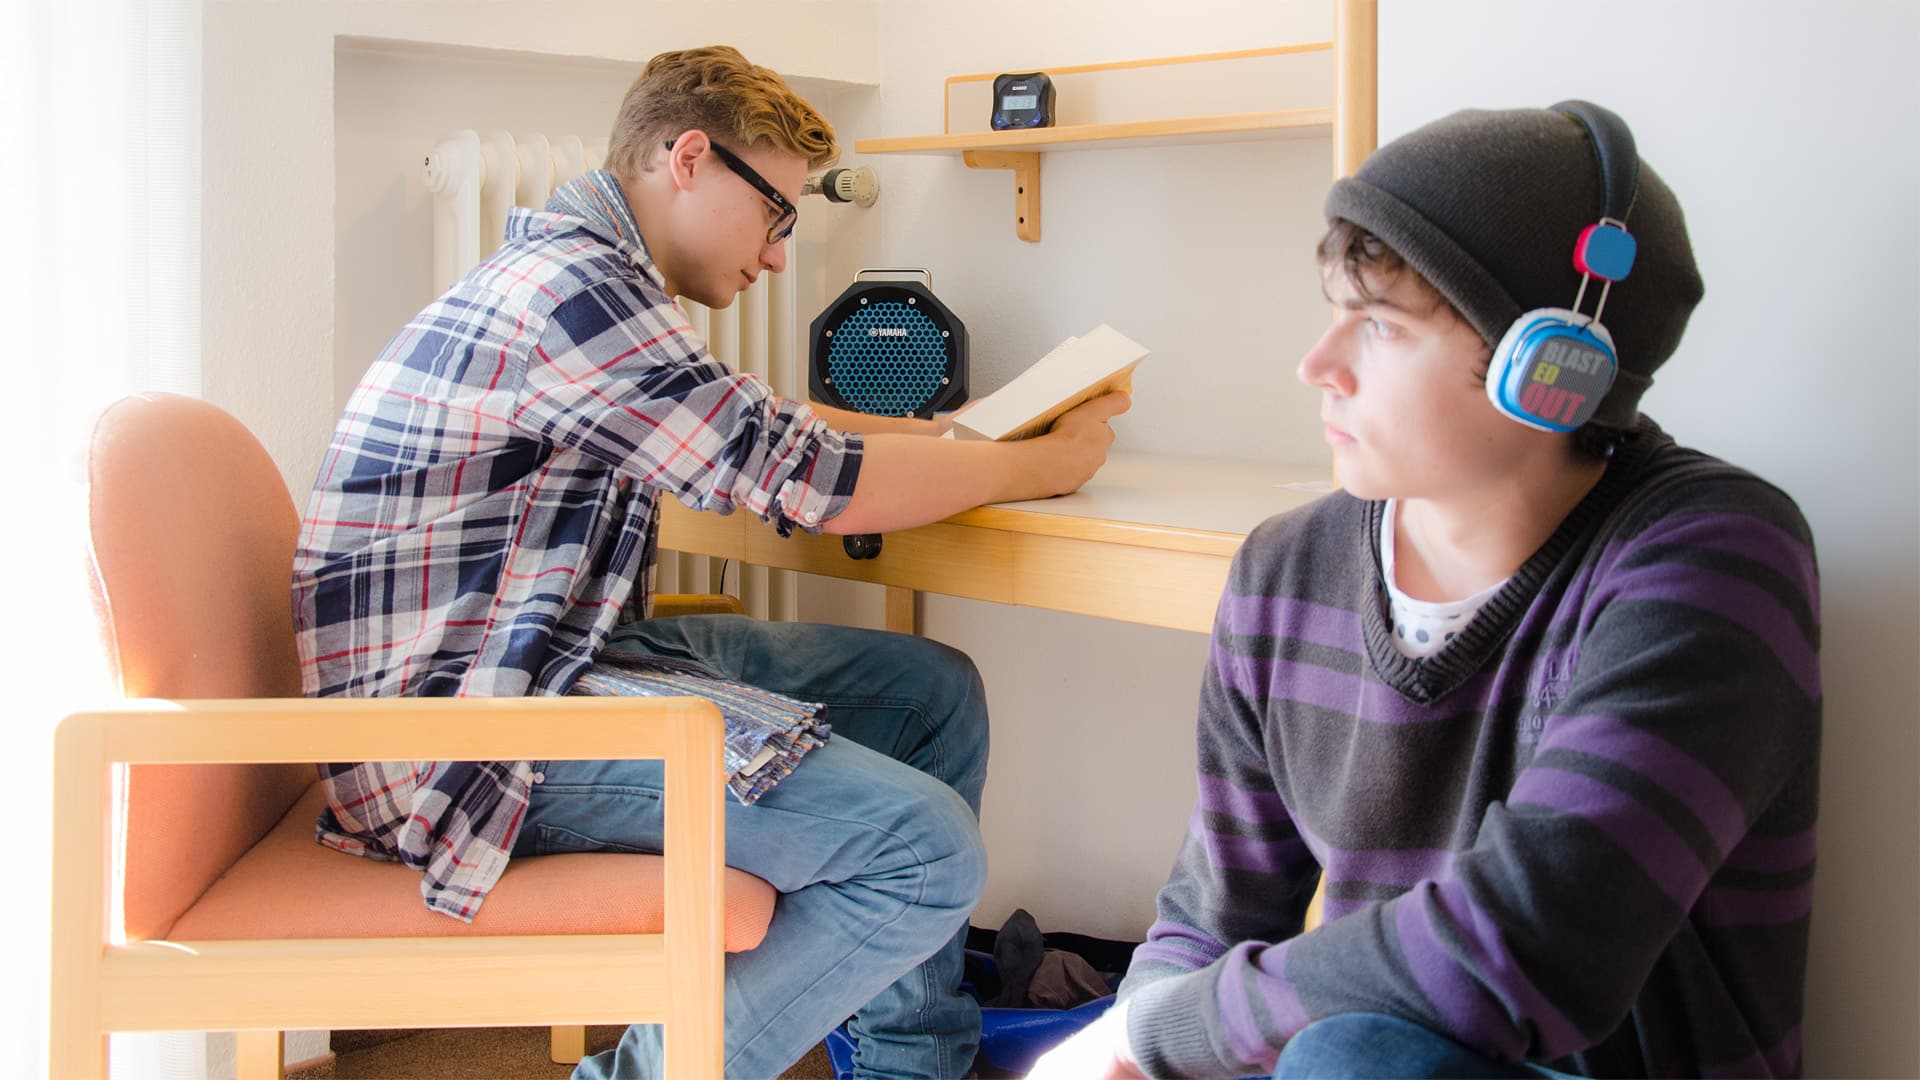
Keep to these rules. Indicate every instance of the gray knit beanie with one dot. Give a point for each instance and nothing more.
(1488, 205)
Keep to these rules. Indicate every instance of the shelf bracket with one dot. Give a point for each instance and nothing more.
(1026, 185)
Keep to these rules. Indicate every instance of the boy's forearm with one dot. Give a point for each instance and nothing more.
(868, 424)
(907, 481)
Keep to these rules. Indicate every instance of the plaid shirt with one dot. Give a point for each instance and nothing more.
(489, 502)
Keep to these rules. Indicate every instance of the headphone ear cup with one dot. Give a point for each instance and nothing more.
(1551, 369)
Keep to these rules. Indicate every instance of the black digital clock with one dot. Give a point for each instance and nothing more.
(1022, 101)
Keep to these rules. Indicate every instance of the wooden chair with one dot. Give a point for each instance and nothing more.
(189, 892)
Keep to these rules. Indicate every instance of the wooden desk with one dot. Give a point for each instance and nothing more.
(1148, 540)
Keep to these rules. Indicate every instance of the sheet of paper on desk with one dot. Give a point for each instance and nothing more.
(1076, 370)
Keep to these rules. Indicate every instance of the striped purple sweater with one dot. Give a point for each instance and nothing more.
(1582, 835)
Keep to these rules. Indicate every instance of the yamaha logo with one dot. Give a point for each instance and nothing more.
(887, 331)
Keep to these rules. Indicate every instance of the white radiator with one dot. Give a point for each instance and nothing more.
(475, 177)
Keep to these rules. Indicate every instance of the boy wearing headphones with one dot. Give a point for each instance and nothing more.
(1537, 693)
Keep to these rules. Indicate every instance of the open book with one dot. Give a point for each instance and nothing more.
(1077, 370)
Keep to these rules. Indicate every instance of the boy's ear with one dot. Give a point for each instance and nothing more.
(687, 149)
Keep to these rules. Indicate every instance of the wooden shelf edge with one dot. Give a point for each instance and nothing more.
(1277, 124)
(1158, 61)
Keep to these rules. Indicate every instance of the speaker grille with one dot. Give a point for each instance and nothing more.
(887, 358)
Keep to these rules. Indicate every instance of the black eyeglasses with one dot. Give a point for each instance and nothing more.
(782, 226)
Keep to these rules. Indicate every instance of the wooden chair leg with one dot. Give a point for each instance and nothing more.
(258, 1055)
(77, 1044)
(76, 1052)
(567, 1043)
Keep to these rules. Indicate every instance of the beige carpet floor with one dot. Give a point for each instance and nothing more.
(481, 1054)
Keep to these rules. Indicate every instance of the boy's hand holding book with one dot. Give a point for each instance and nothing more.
(1076, 446)
(1077, 370)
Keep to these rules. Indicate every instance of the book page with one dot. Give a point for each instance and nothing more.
(1074, 371)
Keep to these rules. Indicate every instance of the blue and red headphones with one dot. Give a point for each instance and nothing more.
(1554, 366)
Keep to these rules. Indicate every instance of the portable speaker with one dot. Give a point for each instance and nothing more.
(888, 348)
(1554, 365)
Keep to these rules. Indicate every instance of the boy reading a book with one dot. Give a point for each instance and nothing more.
(1541, 706)
(484, 523)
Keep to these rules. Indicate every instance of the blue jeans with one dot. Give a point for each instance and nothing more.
(873, 843)
(1373, 1046)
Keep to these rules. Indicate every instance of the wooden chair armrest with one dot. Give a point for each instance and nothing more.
(260, 730)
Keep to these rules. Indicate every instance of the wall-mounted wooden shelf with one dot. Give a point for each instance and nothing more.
(1021, 150)
(1198, 85)
(1195, 85)
(1288, 123)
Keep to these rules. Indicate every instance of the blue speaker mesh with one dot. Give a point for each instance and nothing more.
(878, 369)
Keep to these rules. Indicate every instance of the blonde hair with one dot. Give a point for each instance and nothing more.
(718, 91)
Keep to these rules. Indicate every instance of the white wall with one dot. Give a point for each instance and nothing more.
(1781, 126)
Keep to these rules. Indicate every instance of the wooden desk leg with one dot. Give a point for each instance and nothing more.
(567, 1043)
(258, 1055)
(903, 610)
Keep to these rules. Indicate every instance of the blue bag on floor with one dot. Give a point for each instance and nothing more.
(1011, 1040)
(1013, 1037)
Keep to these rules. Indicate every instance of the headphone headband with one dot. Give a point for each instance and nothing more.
(1613, 145)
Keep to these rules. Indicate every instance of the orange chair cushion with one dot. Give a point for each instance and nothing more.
(186, 824)
(289, 886)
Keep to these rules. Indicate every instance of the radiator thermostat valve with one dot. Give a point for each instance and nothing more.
(859, 186)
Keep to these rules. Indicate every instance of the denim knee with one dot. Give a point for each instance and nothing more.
(1346, 1045)
(953, 683)
(962, 692)
(1375, 1045)
(946, 838)
(956, 695)
(970, 869)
